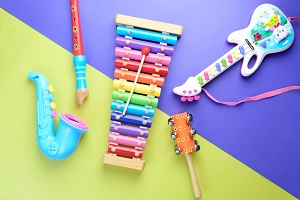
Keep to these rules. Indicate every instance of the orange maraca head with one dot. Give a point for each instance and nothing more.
(183, 133)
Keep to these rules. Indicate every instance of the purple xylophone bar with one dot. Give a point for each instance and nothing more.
(129, 130)
(139, 44)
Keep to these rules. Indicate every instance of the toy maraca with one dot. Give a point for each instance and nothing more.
(185, 143)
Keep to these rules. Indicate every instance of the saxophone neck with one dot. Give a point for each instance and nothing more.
(38, 78)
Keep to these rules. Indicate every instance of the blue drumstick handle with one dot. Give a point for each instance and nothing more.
(80, 65)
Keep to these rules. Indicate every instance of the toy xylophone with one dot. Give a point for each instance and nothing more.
(269, 31)
(143, 49)
(185, 143)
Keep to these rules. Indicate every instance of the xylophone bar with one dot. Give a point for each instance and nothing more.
(147, 35)
(131, 119)
(137, 55)
(129, 130)
(135, 99)
(132, 109)
(139, 88)
(149, 24)
(143, 78)
(126, 140)
(139, 44)
(147, 68)
(125, 151)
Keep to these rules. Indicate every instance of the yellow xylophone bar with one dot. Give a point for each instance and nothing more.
(139, 88)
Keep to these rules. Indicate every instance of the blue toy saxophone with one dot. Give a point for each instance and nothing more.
(70, 129)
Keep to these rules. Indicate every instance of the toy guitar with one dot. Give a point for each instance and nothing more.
(185, 143)
(269, 32)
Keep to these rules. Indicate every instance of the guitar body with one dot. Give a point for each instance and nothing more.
(269, 32)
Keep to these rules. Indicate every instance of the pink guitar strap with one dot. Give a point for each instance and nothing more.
(254, 98)
(293, 18)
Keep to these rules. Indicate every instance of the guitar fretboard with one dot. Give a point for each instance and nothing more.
(223, 63)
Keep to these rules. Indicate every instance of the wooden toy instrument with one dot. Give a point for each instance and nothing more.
(79, 59)
(143, 50)
(185, 143)
(269, 31)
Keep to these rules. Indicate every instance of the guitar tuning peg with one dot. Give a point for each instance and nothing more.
(170, 122)
(189, 117)
(173, 135)
(193, 132)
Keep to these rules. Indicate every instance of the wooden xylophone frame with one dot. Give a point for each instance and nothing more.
(128, 132)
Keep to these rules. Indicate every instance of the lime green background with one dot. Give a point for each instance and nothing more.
(27, 174)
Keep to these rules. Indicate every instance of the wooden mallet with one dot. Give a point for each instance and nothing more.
(145, 52)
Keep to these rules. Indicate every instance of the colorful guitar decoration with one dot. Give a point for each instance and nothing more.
(269, 31)
(185, 143)
(79, 59)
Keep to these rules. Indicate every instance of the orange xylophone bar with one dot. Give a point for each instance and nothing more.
(143, 78)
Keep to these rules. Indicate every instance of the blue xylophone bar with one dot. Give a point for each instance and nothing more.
(146, 35)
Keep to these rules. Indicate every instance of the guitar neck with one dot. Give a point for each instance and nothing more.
(223, 63)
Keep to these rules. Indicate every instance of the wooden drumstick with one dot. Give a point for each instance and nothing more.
(145, 52)
(185, 143)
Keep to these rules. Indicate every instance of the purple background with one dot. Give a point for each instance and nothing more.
(264, 135)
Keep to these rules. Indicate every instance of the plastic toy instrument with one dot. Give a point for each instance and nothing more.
(143, 50)
(269, 32)
(70, 129)
(79, 59)
(185, 143)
